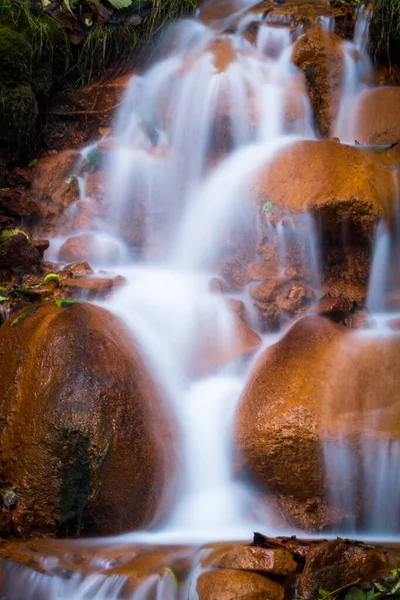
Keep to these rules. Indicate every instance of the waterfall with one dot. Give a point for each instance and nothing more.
(188, 140)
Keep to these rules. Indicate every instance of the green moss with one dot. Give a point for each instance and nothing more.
(15, 58)
(38, 53)
(18, 112)
(75, 486)
(6, 234)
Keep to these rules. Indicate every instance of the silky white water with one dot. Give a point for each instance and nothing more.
(188, 139)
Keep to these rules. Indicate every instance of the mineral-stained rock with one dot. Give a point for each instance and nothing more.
(87, 247)
(225, 584)
(334, 214)
(377, 117)
(261, 270)
(54, 191)
(85, 441)
(320, 382)
(319, 54)
(335, 564)
(276, 561)
(353, 184)
(18, 251)
(18, 202)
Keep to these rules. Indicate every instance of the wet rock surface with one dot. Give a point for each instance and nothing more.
(225, 584)
(78, 407)
(321, 570)
(376, 115)
(319, 55)
(173, 570)
(296, 389)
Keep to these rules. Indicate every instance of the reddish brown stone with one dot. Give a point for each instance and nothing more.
(41, 246)
(18, 252)
(18, 203)
(77, 269)
(335, 564)
(319, 55)
(294, 296)
(278, 561)
(54, 191)
(88, 248)
(233, 273)
(377, 116)
(224, 584)
(19, 176)
(262, 270)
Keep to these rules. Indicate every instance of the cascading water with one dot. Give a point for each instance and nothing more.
(358, 75)
(213, 95)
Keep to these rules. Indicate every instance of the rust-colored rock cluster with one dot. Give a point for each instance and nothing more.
(275, 568)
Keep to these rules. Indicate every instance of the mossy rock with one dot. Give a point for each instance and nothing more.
(15, 57)
(18, 113)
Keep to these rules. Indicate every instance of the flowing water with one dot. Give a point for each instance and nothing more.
(188, 139)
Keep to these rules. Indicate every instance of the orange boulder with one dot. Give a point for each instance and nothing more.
(225, 584)
(85, 442)
(377, 116)
(320, 382)
(319, 55)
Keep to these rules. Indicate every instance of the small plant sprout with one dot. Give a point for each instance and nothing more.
(267, 206)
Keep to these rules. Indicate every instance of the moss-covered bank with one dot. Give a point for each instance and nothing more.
(47, 43)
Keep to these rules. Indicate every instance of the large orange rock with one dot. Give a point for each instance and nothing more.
(377, 116)
(329, 179)
(319, 55)
(319, 382)
(346, 190)
(85, 442)
(225, 584)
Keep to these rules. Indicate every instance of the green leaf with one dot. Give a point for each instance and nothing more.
(68, 5)
(52, 277)
(34, 162)
(71, 180)
(173, 576)
(9, 233)
(118, 4)
(4, 299)
(88, 22)
(267, 207)
(63, 303)
(355, 594)
(27, 312)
